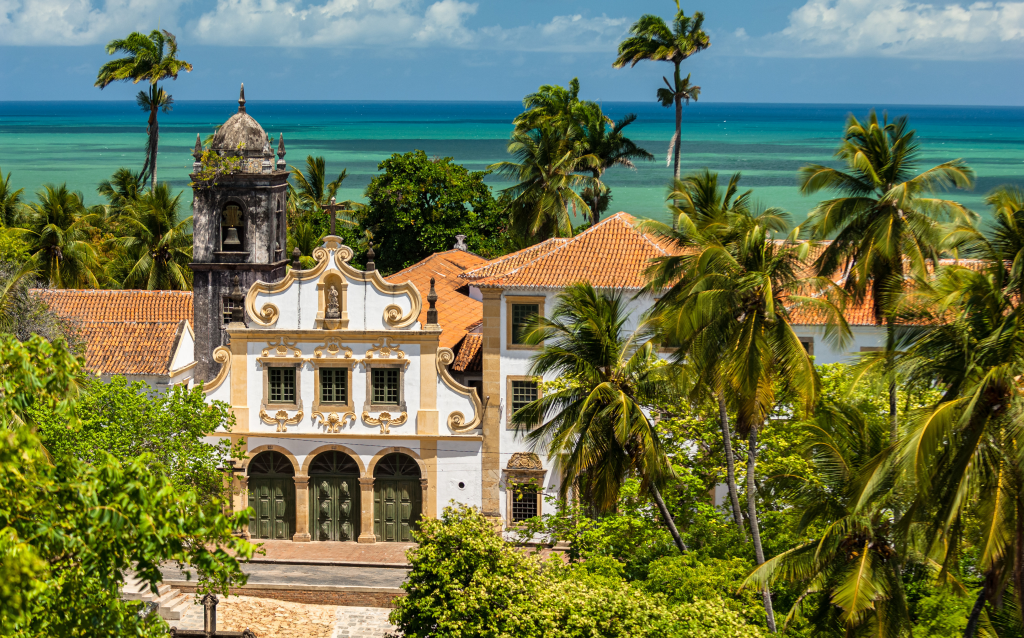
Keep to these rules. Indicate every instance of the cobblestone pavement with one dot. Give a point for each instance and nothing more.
(363, 622)
(270, 618)
(312, 575)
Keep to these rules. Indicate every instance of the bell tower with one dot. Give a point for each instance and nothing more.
(239, 225)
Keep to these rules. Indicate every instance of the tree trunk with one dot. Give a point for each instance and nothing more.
(755, 531)
(730, 465)
(154, 137)
(972, 620)
(675, 150)
(595, 215)
(890, 347)
(667, 516)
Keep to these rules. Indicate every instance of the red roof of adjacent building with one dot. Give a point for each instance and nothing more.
(133, 332)
(456, 310)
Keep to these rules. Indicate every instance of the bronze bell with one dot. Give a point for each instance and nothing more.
(232, 238)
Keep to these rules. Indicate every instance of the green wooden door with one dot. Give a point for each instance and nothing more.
(396, 498)
(334, 508)
(273, 502)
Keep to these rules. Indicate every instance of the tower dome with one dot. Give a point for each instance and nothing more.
(240, 133)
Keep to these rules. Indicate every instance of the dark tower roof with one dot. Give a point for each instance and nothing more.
(240, 129)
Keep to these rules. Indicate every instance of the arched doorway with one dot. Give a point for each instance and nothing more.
(396, 498)
(334, 497)
(272, 496)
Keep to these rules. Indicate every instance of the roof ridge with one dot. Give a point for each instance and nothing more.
(560, 241)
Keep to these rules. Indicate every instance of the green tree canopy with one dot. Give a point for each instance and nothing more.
(419, 204)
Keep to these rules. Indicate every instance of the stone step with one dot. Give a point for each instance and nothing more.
(172, 610)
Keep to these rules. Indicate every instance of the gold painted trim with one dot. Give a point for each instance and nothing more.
(333, 422)
(333, 346)
(281, 418)
(184, 368)
(456, 420)
(221, 355)
(384, 420)
(348, 435)
(268, 314)
(351, 336)
(392, 313)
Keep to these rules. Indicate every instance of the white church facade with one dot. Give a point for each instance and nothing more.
(364, 402)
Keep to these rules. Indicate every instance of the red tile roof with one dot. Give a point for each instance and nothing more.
(470, 358)
(130, 347)
(134, 332)
(612, 254)
(456, 311)
(119, 305)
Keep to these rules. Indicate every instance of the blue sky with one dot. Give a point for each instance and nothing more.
(825, 51)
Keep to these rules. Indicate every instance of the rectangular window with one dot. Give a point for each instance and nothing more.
(282, 385)
(524, 501)
(334, 385)
(229, 305)
(521, 314)
(385, 386)
(523, 392)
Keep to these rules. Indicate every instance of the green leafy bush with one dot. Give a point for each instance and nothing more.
(467, 582)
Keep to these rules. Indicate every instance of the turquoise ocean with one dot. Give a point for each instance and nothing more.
(82, 143)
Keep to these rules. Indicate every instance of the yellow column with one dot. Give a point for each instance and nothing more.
(428, 454)
(427, 417)
(301, 509)
(239, 380)
(366, 511)
(240, 496)
(492, 394)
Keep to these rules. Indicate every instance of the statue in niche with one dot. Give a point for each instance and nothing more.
(333, 311)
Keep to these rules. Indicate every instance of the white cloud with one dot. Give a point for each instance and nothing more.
(75, 22)
(394, 24)
(898, 28)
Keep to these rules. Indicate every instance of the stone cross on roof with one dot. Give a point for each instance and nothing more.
(333, 209)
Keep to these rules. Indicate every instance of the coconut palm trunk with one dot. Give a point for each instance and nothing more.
(667, 517)
(755, 531)
(154, 139)
(730, 465)
(679, 129)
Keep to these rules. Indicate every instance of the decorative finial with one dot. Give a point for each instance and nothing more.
(432, 300)
(198, 152)
(460, 243)
(241, 99)
(296, 258)
(332, 208)
(370, 266)
(280, 146)
(237, 312)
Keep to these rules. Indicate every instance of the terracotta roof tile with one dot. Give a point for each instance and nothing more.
(125, 331)
(612, 254)
(470, 358)
(130, 347)
(456, 311)
(119, 305)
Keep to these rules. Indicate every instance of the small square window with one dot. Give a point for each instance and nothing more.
(385, 386)
(522, 313)
(282, 385)
(523, 393)
(524, 501)
(334, 385)
(229, 305)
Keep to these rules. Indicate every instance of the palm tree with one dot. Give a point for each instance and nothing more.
(58, 228)
(13, 293)
(157, 243)
(10, 201)
(547, 189)
(609, 147)
(149, 58)
(311, 190)
(963, 454)
(853, 570)
(704, 209)
(882, 222)
(728, 294)
(653, 39)
(598, 427)
(122, 191)
(551, 104)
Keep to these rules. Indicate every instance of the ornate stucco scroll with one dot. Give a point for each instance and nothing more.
(457, 422)
(385, 420)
